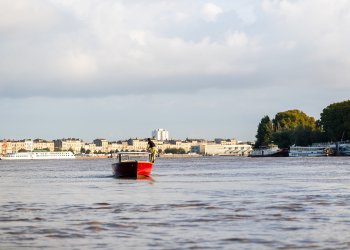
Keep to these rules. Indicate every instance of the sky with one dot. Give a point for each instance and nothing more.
(118, 69)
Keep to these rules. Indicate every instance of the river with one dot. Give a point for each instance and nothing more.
(189, 203)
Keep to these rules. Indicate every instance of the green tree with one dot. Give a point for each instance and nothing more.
(292, 119)
(294, 127)
(282, 138)
(175, 151)
(335, 121)
(264, 133)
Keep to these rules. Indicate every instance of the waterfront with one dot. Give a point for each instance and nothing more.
(200, 203)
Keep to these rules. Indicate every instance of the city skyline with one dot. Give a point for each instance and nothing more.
(119, 69)
(116, 139)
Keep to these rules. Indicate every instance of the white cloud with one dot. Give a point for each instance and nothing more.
(319, 30)
(15, 16)
(77, 65)
(211, 11)
(237, 39)
(276, 53)
(141, 43)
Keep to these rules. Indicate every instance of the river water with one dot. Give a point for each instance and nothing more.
(192, 203)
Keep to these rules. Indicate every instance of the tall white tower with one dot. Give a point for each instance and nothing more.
(160, 134)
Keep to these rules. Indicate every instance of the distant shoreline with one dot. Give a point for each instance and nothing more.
(160, 156)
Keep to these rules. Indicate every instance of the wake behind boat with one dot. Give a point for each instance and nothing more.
(132, 168)
(38, 155)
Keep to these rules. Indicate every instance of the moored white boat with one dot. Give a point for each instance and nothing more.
(272, 151)
(341, 149)
(310, 151)
(40, 155)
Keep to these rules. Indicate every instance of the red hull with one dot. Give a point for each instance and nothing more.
(132, 169)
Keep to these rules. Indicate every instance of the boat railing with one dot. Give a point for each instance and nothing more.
(125, 156)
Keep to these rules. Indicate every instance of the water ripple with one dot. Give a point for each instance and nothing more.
(204, 203)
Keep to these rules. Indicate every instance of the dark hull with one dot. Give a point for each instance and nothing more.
(132, 169)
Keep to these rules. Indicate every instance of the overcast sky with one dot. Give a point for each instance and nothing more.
(117, 69)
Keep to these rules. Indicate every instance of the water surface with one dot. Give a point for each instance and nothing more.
(196, 203)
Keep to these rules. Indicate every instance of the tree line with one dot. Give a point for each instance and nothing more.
(295, 127)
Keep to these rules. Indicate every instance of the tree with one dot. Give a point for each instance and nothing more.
(264, 133)
(294, 127)
(292, 119)
(282, 138)
(335, 121)
(175, 151)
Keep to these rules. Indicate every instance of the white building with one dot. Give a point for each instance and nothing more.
(160, 134)
(220, 149)
(28, 144)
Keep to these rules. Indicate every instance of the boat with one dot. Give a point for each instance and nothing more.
(39, 155)
(310, 151)
(270, 151)
(131, 168)
(341, 149)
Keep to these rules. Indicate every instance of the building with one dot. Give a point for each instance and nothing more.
(89, 147)
(138, 145)
(102, 145)
(116, 146)
(5, 147)
(40, 144)
(160, 134)
(177, 144)
(221, 149)
(70, 144)
(22, 145)
(225, 141)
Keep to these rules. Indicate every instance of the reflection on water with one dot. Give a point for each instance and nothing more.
(200, 203)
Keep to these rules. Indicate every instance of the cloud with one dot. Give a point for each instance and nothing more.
(211, 11)
(102, 48)
(38, 15)
(317, 30)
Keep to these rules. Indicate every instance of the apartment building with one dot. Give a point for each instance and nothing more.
(5, 147)
(160, 134)
(22, 145)
(103, 144)
(25, 145)
(40, 144)
(216, 147)
(186, 145)
(69, 144)
(138, 145)
(89, 147)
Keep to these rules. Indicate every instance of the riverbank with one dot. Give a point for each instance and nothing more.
(160, 156)
(179, 155)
